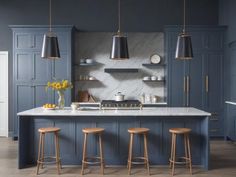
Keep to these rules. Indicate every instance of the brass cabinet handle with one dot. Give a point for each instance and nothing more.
(207, 83)
(184, 84)
(188, 84)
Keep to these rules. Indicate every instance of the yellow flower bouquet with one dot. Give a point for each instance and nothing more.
(60, 87)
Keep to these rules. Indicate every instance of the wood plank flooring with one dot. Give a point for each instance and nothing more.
(223, 164)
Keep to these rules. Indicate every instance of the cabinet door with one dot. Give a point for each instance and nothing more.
(23, 40)
(23, 99)
(41, 68)
(41, 96)
(215, 92)
(177, 81)
(62, 70)
(23, 64)
(195, 97)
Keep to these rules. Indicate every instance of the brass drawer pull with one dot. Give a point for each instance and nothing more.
(214, 119)
(214, 130)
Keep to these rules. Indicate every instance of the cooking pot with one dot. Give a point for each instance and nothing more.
(119, 97)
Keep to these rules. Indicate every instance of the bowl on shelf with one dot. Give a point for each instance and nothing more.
(153, 78)
(89, 61)
(146, 78)
(82, 61)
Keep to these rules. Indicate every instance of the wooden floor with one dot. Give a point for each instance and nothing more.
(223, 164)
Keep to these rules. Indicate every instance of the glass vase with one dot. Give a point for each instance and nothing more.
(61, 99)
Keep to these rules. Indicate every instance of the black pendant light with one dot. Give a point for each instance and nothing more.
(119, 50)
(184, 49)
(50, 48)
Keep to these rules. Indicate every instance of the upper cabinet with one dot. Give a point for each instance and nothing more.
(198, 82)
(31, 73)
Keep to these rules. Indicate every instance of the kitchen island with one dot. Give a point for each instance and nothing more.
(115, 137)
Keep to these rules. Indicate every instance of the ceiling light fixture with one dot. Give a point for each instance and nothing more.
(119, 49)
(50, 48)
(184, 49)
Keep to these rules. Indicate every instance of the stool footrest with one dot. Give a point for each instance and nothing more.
(89, 160)
(187, 161)
(134, 160)
(48, 160)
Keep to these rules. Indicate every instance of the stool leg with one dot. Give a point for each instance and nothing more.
(84, 153)
(57, 153)
(186, 149)
(189, 155)
(39, 153)
(172, 148)
(42, 151)
(174, 154)
(146, 153)
(128, 156)
(130, 152)
(58, 149)
(101, 153)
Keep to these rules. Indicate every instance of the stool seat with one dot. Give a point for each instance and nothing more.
(86, 160)
(138, 160)
(187, 157)
(138, 130)
(179, 130)
(93, 130)
(48, 129)
(41, 158)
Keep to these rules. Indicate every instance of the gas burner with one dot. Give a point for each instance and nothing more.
(126, 104)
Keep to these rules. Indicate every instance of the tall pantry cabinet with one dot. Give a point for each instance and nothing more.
(198, 82)
(31, 73)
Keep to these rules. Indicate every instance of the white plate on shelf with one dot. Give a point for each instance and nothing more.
(155, 59)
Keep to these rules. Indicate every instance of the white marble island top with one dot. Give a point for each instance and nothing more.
(164, 111)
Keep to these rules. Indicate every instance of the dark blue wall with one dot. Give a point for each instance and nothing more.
(101, 15)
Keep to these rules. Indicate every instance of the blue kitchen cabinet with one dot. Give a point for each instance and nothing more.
(198, 82)
(231, 122)
(31, 73)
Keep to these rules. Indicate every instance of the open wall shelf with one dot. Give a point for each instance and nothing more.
(153, 65)
(121, 70)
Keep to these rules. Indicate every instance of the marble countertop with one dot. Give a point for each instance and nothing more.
(230, 102)
(166, 111)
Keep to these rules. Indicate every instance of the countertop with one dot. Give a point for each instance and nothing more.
(163, 111)
(230, 102)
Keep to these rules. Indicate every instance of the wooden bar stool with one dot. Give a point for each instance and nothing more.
(188, 160)
(87, 160)
(41, 158)
(131, 160)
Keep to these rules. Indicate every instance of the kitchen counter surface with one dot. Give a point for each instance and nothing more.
(166, 111)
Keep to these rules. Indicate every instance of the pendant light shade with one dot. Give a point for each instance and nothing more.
(119, 48)
(50, 48)
(184, 49)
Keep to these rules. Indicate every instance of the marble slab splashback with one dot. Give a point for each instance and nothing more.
(97, 45)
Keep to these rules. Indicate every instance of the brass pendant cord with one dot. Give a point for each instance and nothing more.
(50, 15)
(184, 16)
(118, 16)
